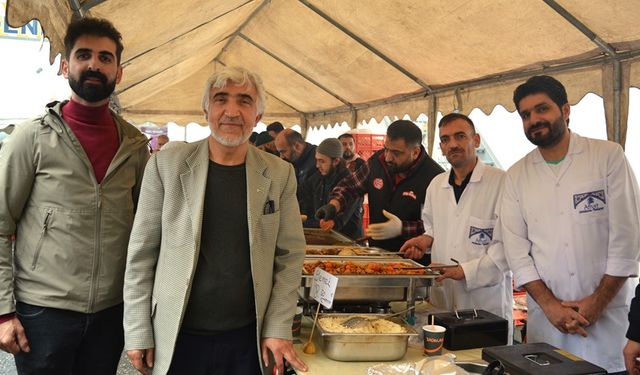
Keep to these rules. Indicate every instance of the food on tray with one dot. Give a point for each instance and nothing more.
(361, 268)
(342, 251)
(323, 238)
(334, 324)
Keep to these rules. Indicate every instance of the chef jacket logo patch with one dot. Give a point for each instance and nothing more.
(480, 236)
(409, 194)
(589, 202)
(378, 183)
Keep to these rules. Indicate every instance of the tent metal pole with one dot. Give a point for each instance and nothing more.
(366, 45)
(609, 50)
(77, 9)
(294, 69)
(634, 54)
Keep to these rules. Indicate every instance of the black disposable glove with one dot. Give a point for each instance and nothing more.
(326, 212)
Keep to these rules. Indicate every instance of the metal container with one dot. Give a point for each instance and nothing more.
(316, 236)
(371, 288)
(353, 347)
(333, 252)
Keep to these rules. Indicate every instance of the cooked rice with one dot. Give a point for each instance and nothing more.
(334, 324)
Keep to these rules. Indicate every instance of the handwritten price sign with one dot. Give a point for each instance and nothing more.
(323, 287)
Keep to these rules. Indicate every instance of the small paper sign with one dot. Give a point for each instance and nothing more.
(323, 287)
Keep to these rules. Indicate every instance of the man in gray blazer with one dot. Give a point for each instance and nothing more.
(216, 250)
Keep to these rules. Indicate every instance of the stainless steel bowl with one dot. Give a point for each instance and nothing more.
(354, 347)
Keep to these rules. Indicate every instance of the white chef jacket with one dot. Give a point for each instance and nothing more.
(466, 232)
(568, 230)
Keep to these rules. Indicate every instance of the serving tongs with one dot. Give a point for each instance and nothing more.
(361, 321)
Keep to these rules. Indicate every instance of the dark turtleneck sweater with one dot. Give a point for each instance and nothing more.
(96, 130)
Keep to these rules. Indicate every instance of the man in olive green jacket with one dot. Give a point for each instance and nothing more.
(69, 184)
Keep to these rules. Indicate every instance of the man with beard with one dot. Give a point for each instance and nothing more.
(459, 218)
(216, 249)
(293, 148)
(316, 190)
(396, 179)
(353, 160)
(570, 227)
(70, 181)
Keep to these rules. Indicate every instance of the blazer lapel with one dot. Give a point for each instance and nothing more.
(194, 183)
(257, 190)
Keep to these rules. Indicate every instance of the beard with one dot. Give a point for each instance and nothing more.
(455, 162)
(347, 154)
(92, 92)
(230, 140)
(395, 168)
(556, 131)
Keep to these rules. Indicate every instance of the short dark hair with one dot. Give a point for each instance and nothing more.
(346, 135)
(541, 84)
(293, 137)
(275, 126)
(456, 116)
(407, 130)
(95, 27)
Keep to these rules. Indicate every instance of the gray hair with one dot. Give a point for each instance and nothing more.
(238, 76)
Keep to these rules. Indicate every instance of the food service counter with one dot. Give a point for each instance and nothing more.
(319, 364)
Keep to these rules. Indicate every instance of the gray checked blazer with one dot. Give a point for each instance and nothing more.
(165, 243)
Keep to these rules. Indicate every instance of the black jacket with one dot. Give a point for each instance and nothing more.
(305, 167)
(315, 193)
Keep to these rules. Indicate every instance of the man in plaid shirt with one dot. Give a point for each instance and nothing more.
(396, 179)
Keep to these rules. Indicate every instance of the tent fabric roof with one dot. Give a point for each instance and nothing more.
(328, 61)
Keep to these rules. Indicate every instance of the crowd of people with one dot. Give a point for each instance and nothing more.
(116, 248)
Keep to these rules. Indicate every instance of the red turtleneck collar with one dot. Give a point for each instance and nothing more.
(96, 130)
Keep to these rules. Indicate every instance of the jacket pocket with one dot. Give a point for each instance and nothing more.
(480, 234)
(589, 202)
(43, 233)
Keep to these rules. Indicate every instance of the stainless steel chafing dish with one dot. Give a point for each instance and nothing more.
(316, 236)
(372, 288)
(366, 346)
(337, 251)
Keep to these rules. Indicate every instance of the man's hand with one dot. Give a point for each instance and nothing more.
(12, 337)
(454, 273)
(282, 351)
(591, 307)
(303, 218)
(631, 352)
(415, 247)
(327, 225)
(326, 212)
(565, 319)
(389, 229)
(142, 360)
(588, 307)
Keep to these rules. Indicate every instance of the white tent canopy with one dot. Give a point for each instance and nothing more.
(329, 61)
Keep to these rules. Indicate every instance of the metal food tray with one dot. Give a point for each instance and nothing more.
(316, 236)
(360, 252)
(359, 279)
(371, 288)
(353, 347)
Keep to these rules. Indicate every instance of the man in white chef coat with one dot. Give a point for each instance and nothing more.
(459, 217)
(569, 219)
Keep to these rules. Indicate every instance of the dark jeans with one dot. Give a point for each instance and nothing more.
(66, 342)
(233, 352)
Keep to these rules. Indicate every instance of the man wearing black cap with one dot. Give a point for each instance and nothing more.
(396, 179)
(316, 189)
(570, 227)
(274, 129)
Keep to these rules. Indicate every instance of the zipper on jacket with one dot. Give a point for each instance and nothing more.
(95, 277)
(45, 227)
